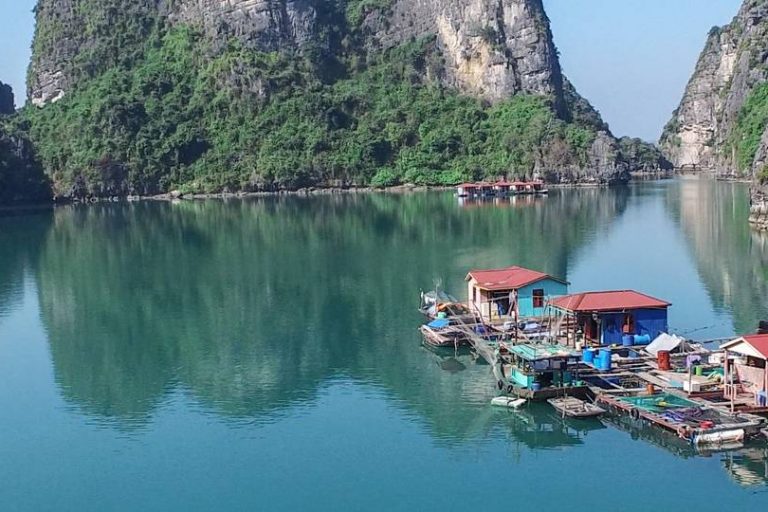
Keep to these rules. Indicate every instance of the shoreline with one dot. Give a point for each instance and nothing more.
(301, 192)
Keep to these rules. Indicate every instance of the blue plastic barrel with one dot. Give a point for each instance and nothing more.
(599, 362)
(588, 355)
(605, 359)
(628, 340)
(536, 386)
(642, 339)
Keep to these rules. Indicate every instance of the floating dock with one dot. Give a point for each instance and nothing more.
(612, 348)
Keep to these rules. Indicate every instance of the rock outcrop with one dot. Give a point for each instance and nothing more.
(730, 67)
(21, 177)
(6, 100)
(264, 24)
(721, 124)
(79, 39)
(493, 48)
(689, 137)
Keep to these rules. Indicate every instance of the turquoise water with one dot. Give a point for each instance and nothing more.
(263, 355)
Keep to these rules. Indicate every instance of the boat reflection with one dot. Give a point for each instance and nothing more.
(501, 201)
(538, 426)
(747, 467)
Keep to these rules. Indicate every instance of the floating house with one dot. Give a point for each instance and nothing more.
(512, 293)
(501, 189)
(613, 317)
(466, 190)
(541, 371)
(746, 370)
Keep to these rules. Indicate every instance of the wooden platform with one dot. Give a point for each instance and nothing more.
(687, 430)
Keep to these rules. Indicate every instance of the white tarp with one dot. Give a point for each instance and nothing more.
(664, 341)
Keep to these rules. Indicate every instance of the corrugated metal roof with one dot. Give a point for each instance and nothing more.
(510, 278)
(757, 341)
(617, 300)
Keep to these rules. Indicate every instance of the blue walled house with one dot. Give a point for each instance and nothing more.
(607, 317)
(512, 293)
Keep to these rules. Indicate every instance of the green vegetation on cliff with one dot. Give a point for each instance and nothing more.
(21, 178)
(643, 156)
(185, 116)
(750, 126)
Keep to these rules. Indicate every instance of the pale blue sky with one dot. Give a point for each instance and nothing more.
(630, 58)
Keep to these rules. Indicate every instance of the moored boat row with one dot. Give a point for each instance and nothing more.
(501, 188)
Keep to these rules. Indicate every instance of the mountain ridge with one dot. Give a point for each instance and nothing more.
(253, 95)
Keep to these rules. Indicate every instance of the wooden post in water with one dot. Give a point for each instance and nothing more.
(729, 375)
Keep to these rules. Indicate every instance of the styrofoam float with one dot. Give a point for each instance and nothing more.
(508, 401)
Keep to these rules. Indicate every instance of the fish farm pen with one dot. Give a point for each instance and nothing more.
(607, 354)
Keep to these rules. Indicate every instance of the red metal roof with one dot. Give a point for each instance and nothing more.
(759, 341)
(618, 300)
(510, 278)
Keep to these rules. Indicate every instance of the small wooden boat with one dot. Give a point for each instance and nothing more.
(575, 408)
(436, 335)
(508, 402)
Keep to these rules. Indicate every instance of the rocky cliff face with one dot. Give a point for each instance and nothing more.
(702, 131)
(6, 100)
(689, 138)
(722, 121)
(493, 48)
(80, 39)
(264, 24)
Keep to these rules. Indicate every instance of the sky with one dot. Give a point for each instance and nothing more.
(633, 58)
(630, 58)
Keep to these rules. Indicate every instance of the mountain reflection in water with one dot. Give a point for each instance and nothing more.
(261, 313)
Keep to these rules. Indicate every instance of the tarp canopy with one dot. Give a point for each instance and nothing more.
(439, 323)
(665, 341)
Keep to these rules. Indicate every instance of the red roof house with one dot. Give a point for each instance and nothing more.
(618, 316)
(512, 292)
(618, 300)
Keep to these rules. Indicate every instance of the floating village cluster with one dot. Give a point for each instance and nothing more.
(604, 352)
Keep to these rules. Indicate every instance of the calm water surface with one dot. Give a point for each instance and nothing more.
(263, 354)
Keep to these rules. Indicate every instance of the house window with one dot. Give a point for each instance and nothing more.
(538, 298)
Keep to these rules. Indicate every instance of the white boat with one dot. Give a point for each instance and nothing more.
(508, 401)
(719, 438)
(575, 408)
